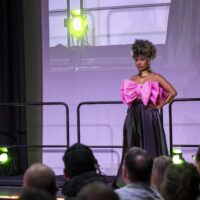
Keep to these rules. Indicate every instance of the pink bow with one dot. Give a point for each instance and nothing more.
(148, 91)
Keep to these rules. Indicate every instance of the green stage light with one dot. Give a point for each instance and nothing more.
(3, 155)
(177, 160)
(3, 158)
(77, 24)
(3, 149)
(177, 157)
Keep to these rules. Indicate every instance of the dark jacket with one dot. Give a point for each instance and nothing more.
(74, 185)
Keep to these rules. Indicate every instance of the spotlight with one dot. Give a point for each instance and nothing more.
(177, 157)
(77, 24)
(3, 155)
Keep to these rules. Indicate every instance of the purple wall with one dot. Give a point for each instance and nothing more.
(100, 81)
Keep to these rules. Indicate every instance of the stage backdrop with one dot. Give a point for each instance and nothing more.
(94, 73)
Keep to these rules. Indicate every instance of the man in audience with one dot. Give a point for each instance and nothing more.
(137, 169)
(40, 177)
(36, 195)
(80, 169)
(181, 182)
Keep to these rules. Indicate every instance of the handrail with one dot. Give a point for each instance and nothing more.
(78, 119)
(170, 123)
(44, 104)
(94, 103)
(34, 146)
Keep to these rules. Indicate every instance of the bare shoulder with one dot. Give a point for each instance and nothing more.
(158, 77)
(165, 84)
(134, 77)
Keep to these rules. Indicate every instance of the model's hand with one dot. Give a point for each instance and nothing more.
(158, 106)
(151, 106)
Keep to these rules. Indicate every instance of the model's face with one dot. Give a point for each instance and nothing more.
(142, 62)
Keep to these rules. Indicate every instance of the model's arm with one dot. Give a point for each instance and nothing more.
(168, 87)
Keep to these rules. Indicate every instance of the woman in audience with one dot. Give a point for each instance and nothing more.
(159, 167)
(181, 182)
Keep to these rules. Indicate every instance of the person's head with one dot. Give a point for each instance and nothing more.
(137, 166)
(36, 195)
(181, 182)
(41, 177)
(143, 51)
(97, 191)
(160, 165)
(197, 159)
(78, 159)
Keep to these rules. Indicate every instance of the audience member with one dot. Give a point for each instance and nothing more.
(197, 159)
(137, 169)
(36, 195)
(181, 182)
(40, 177)
(97, 191)
(160, 165)
(80, 169)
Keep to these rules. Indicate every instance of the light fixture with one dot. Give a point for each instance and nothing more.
(77, 24)
(177, 157)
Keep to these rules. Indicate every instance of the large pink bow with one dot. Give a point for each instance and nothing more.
(148, 91)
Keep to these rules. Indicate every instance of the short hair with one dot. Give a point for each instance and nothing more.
(138, 164)
(97, 191)
(79, 159)
(40, 176)
(160, 165)
(181, 182)
(143, 48)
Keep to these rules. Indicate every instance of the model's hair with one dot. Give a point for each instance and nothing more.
(143, 48)
(138, 165)
(181, 182)
(159, 168)
(97, 191)
(79, 159)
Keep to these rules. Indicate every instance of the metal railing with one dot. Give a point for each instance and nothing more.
(79, 121)
(99, 103)
(42, 104)
(171, 145)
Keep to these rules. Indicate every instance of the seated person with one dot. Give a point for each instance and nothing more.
(36, 195)
(136, 172)
(97, 191)
(40, 177)
(181, 182)
(80, 168)
(160, 165)
(197, 159)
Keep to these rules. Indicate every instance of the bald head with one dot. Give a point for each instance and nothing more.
(39, 176)
(138, 165)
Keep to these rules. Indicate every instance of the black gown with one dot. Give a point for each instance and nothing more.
(143, 128)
